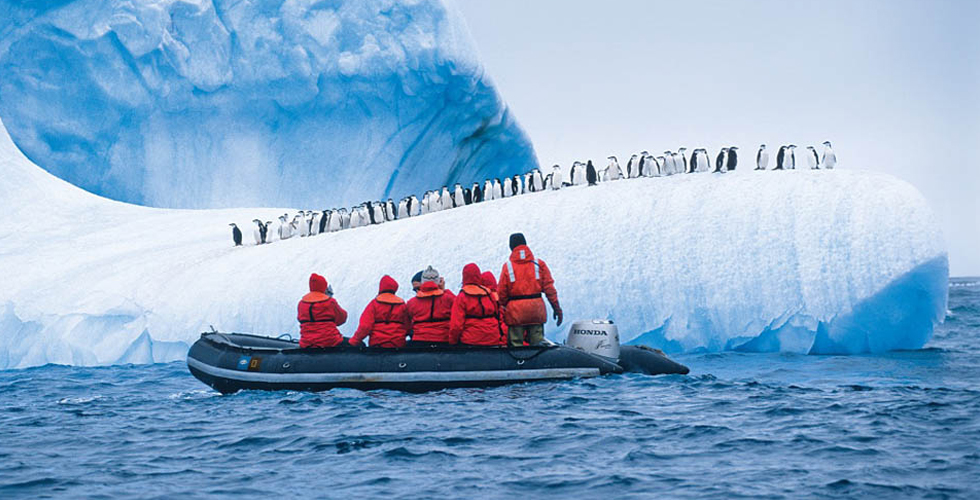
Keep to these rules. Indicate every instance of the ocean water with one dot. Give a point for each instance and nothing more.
(900, 425)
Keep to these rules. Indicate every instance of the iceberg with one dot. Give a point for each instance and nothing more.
(796, 261)
(211, 104)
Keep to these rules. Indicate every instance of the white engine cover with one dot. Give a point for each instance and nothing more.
(595, 336)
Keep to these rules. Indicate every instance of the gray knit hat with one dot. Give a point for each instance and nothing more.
(430, 274)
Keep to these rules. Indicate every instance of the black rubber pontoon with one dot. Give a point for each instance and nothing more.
(231, 362)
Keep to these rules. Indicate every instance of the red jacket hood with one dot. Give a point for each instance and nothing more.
(516, 255)
(318, 283)
(488, 280)
(471, 274)
(388, 284)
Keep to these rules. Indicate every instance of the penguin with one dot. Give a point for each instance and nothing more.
(379, 214)
(732, 158)
(508, 187)
(336, 220)
(477, 193)
(414, 207)
(649, 166)
(294, 225)
(682, 160)
(528, 181)
(556, 177)
(812, 160)
(266, 236)
(425, 202)
(259, 232)
(590, 173)
(370, 212)
(487, 190)
(517, 185)
(762, 158)
(678, 164)
(403, 208)
(615, 173)
(457, 196)
(447, 199)
(344, 219)
(791, 159)
(632, 167)
(829, 160)
(780, 158)
(720, 161)
(236, 234)
(538, 179)
(640, 166)
(549, 182)
(467, 196)
(498, 190)
(324, 220)
(577, 175)
(668, 163)
(390, 213)
(314, 223)
(695, 161)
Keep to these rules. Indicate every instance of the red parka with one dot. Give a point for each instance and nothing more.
(430, 310)
(385, 320)
(522, 281)
(491, 284)
(474, 318)
(319, 316)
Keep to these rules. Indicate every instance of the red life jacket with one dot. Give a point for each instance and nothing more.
(475, 319)
(431, 309)
(523, 279)
(319, 315)
(385, 321)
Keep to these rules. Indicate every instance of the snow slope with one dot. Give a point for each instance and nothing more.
(237, 103)
(800, 261)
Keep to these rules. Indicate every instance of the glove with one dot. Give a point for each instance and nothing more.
(558, 316)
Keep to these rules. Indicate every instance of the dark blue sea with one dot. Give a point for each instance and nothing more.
(900, 425)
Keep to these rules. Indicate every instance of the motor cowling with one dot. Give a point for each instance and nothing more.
(595, 336)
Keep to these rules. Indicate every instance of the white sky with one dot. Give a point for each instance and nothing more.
(895, 84)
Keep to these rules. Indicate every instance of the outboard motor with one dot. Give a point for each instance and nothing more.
(595, 336)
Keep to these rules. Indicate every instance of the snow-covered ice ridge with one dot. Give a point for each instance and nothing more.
(799, 261)
(209, 104)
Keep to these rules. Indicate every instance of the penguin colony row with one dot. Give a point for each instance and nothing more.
(311, 223)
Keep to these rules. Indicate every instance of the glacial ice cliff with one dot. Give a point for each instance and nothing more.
(796, 261)
(201, 103)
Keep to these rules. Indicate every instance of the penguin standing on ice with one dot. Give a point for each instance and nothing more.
(720, 161)
(458, 199)
(682, 160)
(556, 177)
(324, 222)
(590, 173)
(732, 161)
(517, 185)
(390, 213)
(812, 160)
(414, 207)
(538, 179)
(314, 223)
(661, 166)
(403, 208)
(791, 158)
(467, 196)
(780, 158)
(829, 158)
(344, 219)
(477, 193)
(259, 232)
(236, 234)
(631, 166)
(508, 187)
(487, 190)
(498, 190)
(379, 214)
(447, 199)
(762, 158)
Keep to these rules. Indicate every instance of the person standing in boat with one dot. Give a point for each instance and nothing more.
(319, 315)
(385, 321)
(430, 309)
(474, 319)
(522, 281)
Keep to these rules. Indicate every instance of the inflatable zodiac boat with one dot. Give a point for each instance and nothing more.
(231, 362)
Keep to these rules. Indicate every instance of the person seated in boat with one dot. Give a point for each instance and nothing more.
(430, 309)
(417, 281)
(319, 315)
(474, 319)
(523, 280)
(490, 283)
(385, 321)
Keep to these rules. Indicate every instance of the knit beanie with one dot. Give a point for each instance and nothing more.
(516, 240)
